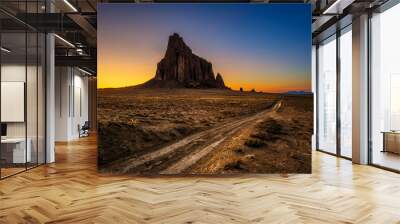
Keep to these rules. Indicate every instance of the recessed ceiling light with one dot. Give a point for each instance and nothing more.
(65, 41)
(70, 5)
(338, 6)
(5, 50)
(84, 71)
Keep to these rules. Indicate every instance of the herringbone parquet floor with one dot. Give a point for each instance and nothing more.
(71, 191)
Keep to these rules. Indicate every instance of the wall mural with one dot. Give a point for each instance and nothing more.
(218, 89)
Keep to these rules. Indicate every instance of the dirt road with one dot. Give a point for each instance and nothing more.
(175, 158)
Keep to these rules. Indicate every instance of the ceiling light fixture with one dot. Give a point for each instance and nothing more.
(5, 50)
(337, 7)
(65, 41)
(328, 10)
(84, 71)
(70, 5)
(79, 51)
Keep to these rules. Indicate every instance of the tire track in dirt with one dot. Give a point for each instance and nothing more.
(191, 159)
(212, 138)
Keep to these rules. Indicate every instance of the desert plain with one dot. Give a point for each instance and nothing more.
(203, 131)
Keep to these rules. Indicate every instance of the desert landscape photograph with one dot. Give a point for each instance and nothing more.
(204, 89)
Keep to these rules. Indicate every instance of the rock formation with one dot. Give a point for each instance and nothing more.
(219, 81)
(181, 68)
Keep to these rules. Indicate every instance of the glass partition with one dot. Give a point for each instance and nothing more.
(346, 93)
(13, 94)
(327, 96)
(22, 88)
(31, 98)
(385, 89)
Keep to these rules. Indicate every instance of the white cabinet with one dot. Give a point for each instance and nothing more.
(19, 155)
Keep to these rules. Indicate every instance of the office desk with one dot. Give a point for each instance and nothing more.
(391, 141)
(13, 150)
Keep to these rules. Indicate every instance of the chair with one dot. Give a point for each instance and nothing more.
(84, 130)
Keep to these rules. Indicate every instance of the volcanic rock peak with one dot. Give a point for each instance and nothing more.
(182, 68)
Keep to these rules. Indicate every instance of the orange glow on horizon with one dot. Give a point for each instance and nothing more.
(117, 78)
(129, 68)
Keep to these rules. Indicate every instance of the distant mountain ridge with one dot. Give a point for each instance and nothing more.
(180, 67)
(299, 93)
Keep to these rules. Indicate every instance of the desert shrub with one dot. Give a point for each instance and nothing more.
(250, 157)
(182, 129)
(271, 126)
(228, 113)
(254, 143)
(236, 165)
(301, 156)
(147, 136)
(275, 128)
(263, 135)
(239, 151)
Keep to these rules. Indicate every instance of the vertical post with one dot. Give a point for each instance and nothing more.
(369, 90)
(26, 87)
(0, 97)
(317, 96)
(338, 76)
(314, 74)
(360, 90)
(50, 92)
(93, 103)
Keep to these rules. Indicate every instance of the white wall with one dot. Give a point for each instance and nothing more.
(33, 127)
(12, 73)
(62, 83)
(71, 102)
(81, 102)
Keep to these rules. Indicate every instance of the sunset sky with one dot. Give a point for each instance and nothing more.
(261, 46)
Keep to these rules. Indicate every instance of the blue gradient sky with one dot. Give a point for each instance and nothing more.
(262, 46)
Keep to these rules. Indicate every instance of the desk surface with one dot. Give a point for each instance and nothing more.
(13, 140)
(391, 132)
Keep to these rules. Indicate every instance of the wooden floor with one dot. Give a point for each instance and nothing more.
(5, 172)
(387, 159)
(71, 191)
